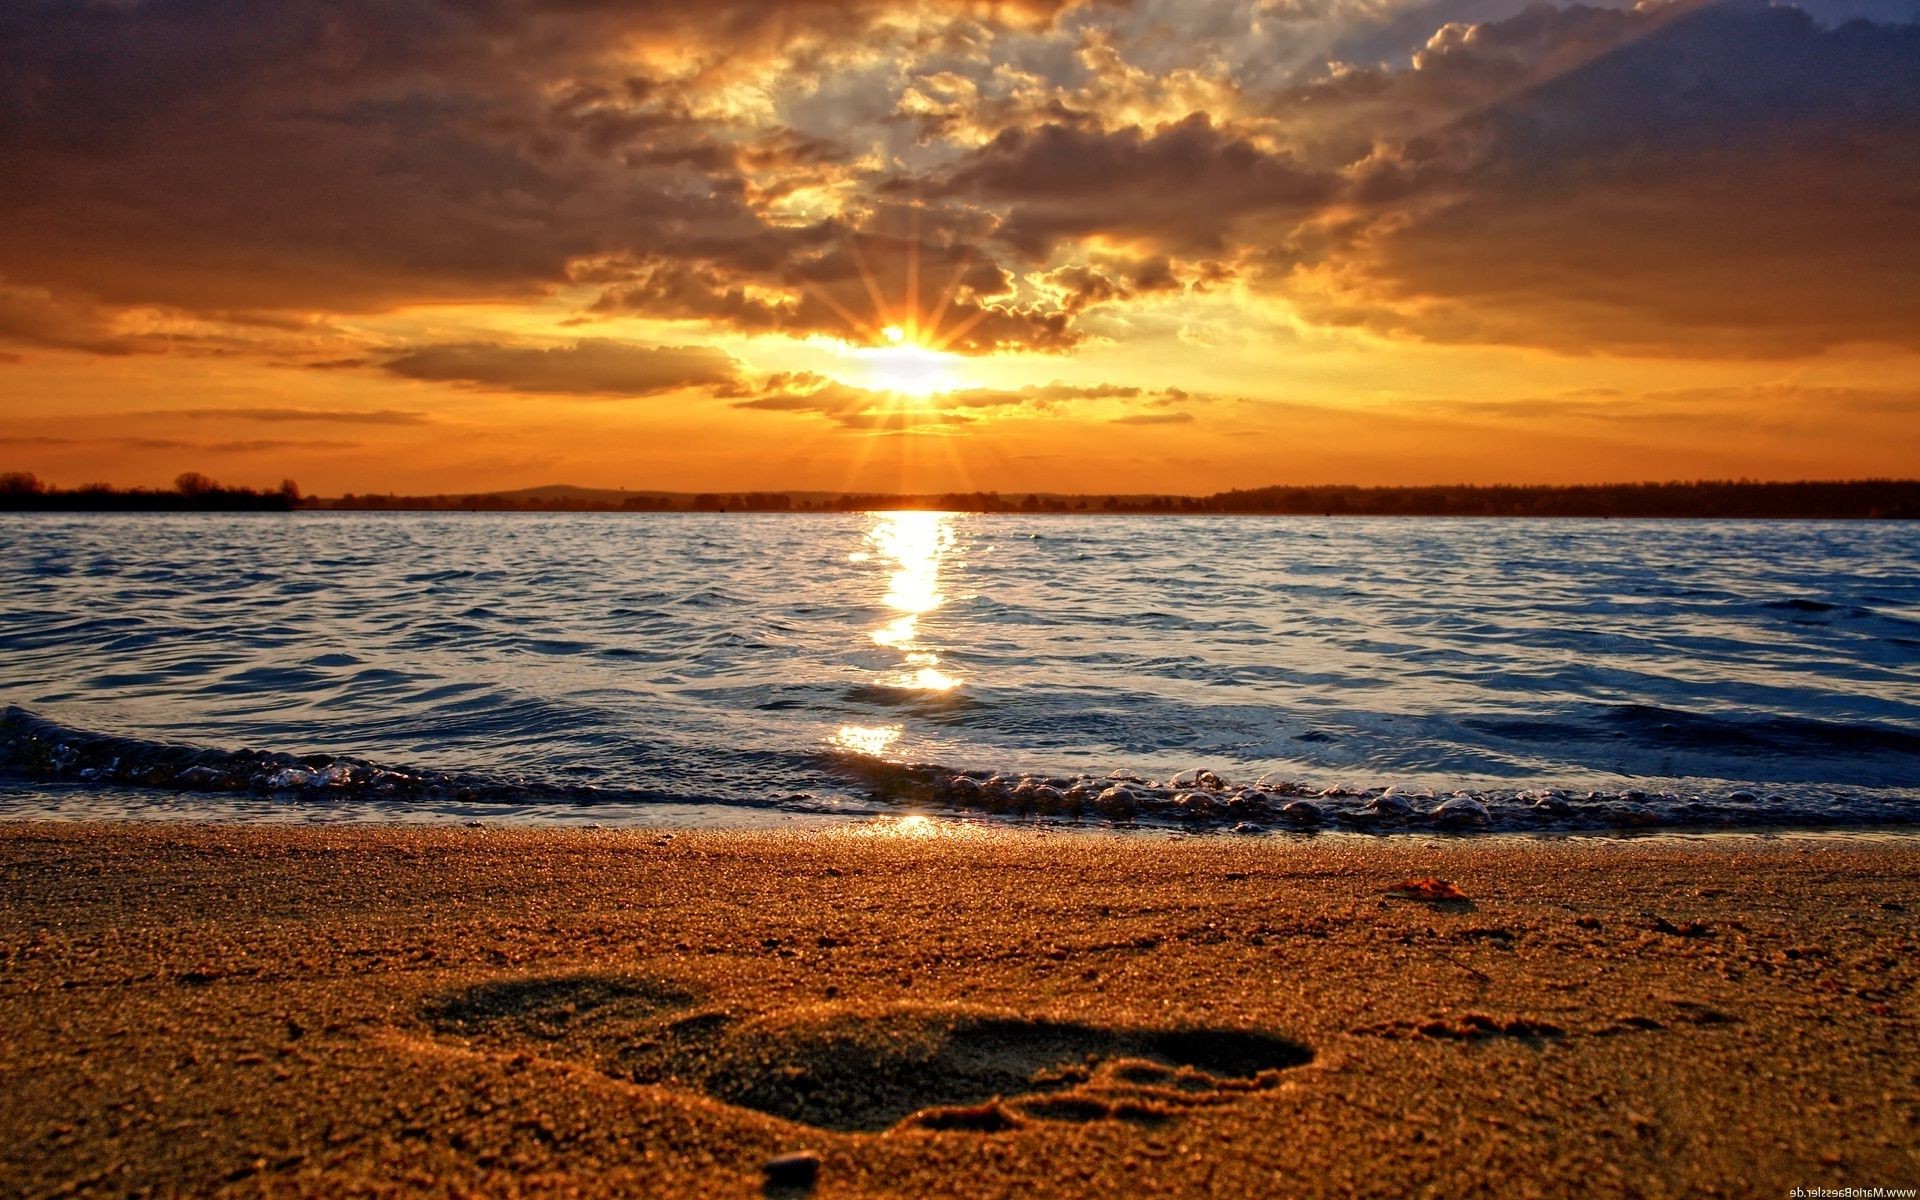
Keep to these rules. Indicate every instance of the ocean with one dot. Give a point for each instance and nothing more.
(1247, 673)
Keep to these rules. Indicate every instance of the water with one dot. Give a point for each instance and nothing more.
(744, 667)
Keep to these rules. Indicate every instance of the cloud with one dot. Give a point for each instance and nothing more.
(252, 446)
(380, 416)
(591, 366)
(1168, 418)
(1672, 179)
(1730, 180)
(863, 408)
(1089, 285)
(1708, 408)
(354, 156)
(1182, 185)
(847, 282)
(36, 317)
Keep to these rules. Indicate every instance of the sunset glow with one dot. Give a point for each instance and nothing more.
(1044, 246)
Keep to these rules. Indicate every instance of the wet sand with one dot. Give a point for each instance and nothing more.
(328, 1011)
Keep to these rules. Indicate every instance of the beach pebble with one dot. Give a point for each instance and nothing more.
(292, 777)
(1250, 804)
(800, 1169)
(1552, 806)
(1200, 805)
(1302, 812)
(1389, 805)
(1045, 797)
(1461, 811)
(1406, 792)
(1248, 827)
(1197, 777)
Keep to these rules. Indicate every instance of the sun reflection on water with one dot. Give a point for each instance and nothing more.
(871, 740)
(914, 544)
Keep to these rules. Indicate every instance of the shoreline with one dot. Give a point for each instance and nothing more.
(77, 807)
(317, 1009)
(246, 811)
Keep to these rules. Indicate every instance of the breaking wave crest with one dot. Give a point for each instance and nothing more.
(42, 751)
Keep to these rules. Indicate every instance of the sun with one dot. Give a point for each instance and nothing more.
(901, 348)
(906, 365)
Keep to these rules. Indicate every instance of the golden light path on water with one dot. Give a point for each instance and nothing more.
(913, 545)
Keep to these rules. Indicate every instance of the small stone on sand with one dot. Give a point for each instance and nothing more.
(798, 1169)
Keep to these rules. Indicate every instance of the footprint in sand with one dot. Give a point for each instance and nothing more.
(857, 1068)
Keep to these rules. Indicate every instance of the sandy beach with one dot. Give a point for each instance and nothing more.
(189, 1009)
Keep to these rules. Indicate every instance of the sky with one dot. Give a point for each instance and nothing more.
(426, 246)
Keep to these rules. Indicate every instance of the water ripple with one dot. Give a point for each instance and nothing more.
(750, 659)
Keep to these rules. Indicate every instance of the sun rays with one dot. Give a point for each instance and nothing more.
(902, 345)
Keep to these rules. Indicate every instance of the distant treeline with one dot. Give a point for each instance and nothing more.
(1873, 498)
(1707, 498)
(1870, 498)
(192, 492)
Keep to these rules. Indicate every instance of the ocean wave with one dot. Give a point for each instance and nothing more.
(35, 749)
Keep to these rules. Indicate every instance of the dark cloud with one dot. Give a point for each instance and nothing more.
(1732, 180)
(906, 265)
(36, 317)
(1696, 179)
(1089, 285)
(592, 366)
(356, 154)
(1459, 66)
(1183, 186)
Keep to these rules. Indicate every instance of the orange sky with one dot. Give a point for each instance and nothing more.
(1138, 245)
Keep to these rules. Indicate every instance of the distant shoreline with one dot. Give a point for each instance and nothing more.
(1871, 499)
